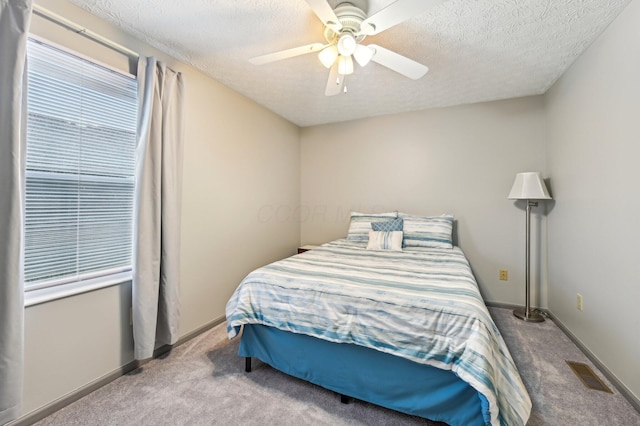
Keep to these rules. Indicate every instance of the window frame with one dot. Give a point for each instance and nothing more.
(57, 288)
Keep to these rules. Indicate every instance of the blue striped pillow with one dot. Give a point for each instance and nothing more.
(360, 224)
(427, 231)
(391, 225)
(381, 240)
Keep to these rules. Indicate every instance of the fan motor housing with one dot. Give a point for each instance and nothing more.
(350, 16)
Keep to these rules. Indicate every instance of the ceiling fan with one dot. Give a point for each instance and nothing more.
(345, 27)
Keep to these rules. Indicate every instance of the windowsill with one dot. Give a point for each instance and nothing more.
(43, 295)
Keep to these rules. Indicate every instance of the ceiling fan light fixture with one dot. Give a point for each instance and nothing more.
(345, 65)
(363, 54)
(328, 56)
(346, 26)
(347, 44)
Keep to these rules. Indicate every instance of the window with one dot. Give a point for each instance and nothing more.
(80, 163)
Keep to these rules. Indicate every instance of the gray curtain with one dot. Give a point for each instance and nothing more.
(158, 200)
(15, 16)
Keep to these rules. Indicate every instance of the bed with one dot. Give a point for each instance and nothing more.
(407, 330)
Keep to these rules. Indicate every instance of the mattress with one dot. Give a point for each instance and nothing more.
(420, 304)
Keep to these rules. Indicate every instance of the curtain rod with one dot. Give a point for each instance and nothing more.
(78, 29)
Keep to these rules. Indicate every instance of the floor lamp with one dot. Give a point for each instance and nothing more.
(528, 186)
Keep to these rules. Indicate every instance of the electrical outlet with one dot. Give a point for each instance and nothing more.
(504, 275)
(579, 301)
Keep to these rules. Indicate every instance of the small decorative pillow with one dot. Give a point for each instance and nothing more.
(391, 225)
(360, 224)
(427, 231)
(381, 240)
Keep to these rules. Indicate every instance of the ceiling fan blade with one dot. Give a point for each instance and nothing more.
(288, 53)
(398, 63)
(335, 82)
(323, 10)
(395, 13)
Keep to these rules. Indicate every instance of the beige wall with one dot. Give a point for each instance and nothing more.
(460, 160)
(233, 173)
(593, 152)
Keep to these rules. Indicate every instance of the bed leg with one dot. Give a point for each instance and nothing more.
(247, 364)
(344, 399)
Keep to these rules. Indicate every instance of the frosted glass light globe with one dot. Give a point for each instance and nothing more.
(346, 44)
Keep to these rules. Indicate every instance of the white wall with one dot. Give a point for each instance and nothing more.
(233, 173)
(460, 160)
(593, 150)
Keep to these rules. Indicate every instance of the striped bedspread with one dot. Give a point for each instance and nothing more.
(421, 304)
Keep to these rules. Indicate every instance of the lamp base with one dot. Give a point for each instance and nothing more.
(533, 316)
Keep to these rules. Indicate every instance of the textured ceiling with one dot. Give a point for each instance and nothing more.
(476, 50)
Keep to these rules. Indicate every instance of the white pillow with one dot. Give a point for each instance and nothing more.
(385, 240)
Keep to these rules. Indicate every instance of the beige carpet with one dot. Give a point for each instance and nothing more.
(203, 382)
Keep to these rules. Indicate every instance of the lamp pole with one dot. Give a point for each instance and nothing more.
(527, 314)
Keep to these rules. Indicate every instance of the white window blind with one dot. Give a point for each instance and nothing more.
(81, 138)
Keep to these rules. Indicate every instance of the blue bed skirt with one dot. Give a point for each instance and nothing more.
(368, 375)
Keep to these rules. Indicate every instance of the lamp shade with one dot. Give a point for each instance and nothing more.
(363, 54)
(328, 55)
(345, 65)
(529, 186)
